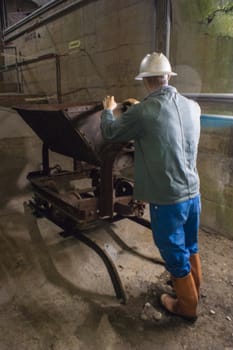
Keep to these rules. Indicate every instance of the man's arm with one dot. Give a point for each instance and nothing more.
(124, 128)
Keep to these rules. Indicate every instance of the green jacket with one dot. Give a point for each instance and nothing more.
(166, 129)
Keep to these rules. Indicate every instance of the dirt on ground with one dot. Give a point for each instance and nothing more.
(52, 293)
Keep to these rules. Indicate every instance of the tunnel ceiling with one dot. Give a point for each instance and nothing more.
(41, 2)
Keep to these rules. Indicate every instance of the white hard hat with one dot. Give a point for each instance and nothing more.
(154, 64)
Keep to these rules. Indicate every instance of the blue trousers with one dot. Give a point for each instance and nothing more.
(175, 233)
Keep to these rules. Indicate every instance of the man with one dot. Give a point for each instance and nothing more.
(166, 128)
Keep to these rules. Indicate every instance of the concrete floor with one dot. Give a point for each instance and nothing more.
(55, 293)
(48, 282)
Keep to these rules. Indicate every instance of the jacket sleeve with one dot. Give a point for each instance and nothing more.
(124, 128)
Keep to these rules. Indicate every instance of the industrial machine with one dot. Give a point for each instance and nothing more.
(105, 193)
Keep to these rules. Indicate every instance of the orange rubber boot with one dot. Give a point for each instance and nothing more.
(185, 304)
(195, 262)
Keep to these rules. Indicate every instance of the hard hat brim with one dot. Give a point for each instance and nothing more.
(140, 76)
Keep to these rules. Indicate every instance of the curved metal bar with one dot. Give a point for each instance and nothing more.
(112, 271)
(115, 278)
(130, 250)
(47, 264)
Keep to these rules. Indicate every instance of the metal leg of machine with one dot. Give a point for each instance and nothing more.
(32, 212)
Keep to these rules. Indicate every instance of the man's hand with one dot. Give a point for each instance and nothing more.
(109, 102)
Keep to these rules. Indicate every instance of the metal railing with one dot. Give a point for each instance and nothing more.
(211, 97)
(18, 64)
(15, 65)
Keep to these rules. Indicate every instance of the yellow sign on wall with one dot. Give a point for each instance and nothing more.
(74, 44)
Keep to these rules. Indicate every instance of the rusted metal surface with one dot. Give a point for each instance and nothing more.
(64, 131)
(74, 131)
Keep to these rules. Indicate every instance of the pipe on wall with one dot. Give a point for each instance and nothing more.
(209, 97)
(163, 18)
(3, 14)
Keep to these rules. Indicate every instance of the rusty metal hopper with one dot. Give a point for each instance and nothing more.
(59, 195)
(71, 131)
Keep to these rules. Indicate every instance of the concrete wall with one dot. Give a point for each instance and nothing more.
(202, 45)
(201, 52)
(20, 153)
(113, 37)
(215, 165)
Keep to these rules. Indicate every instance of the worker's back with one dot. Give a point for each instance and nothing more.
(166, 148)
